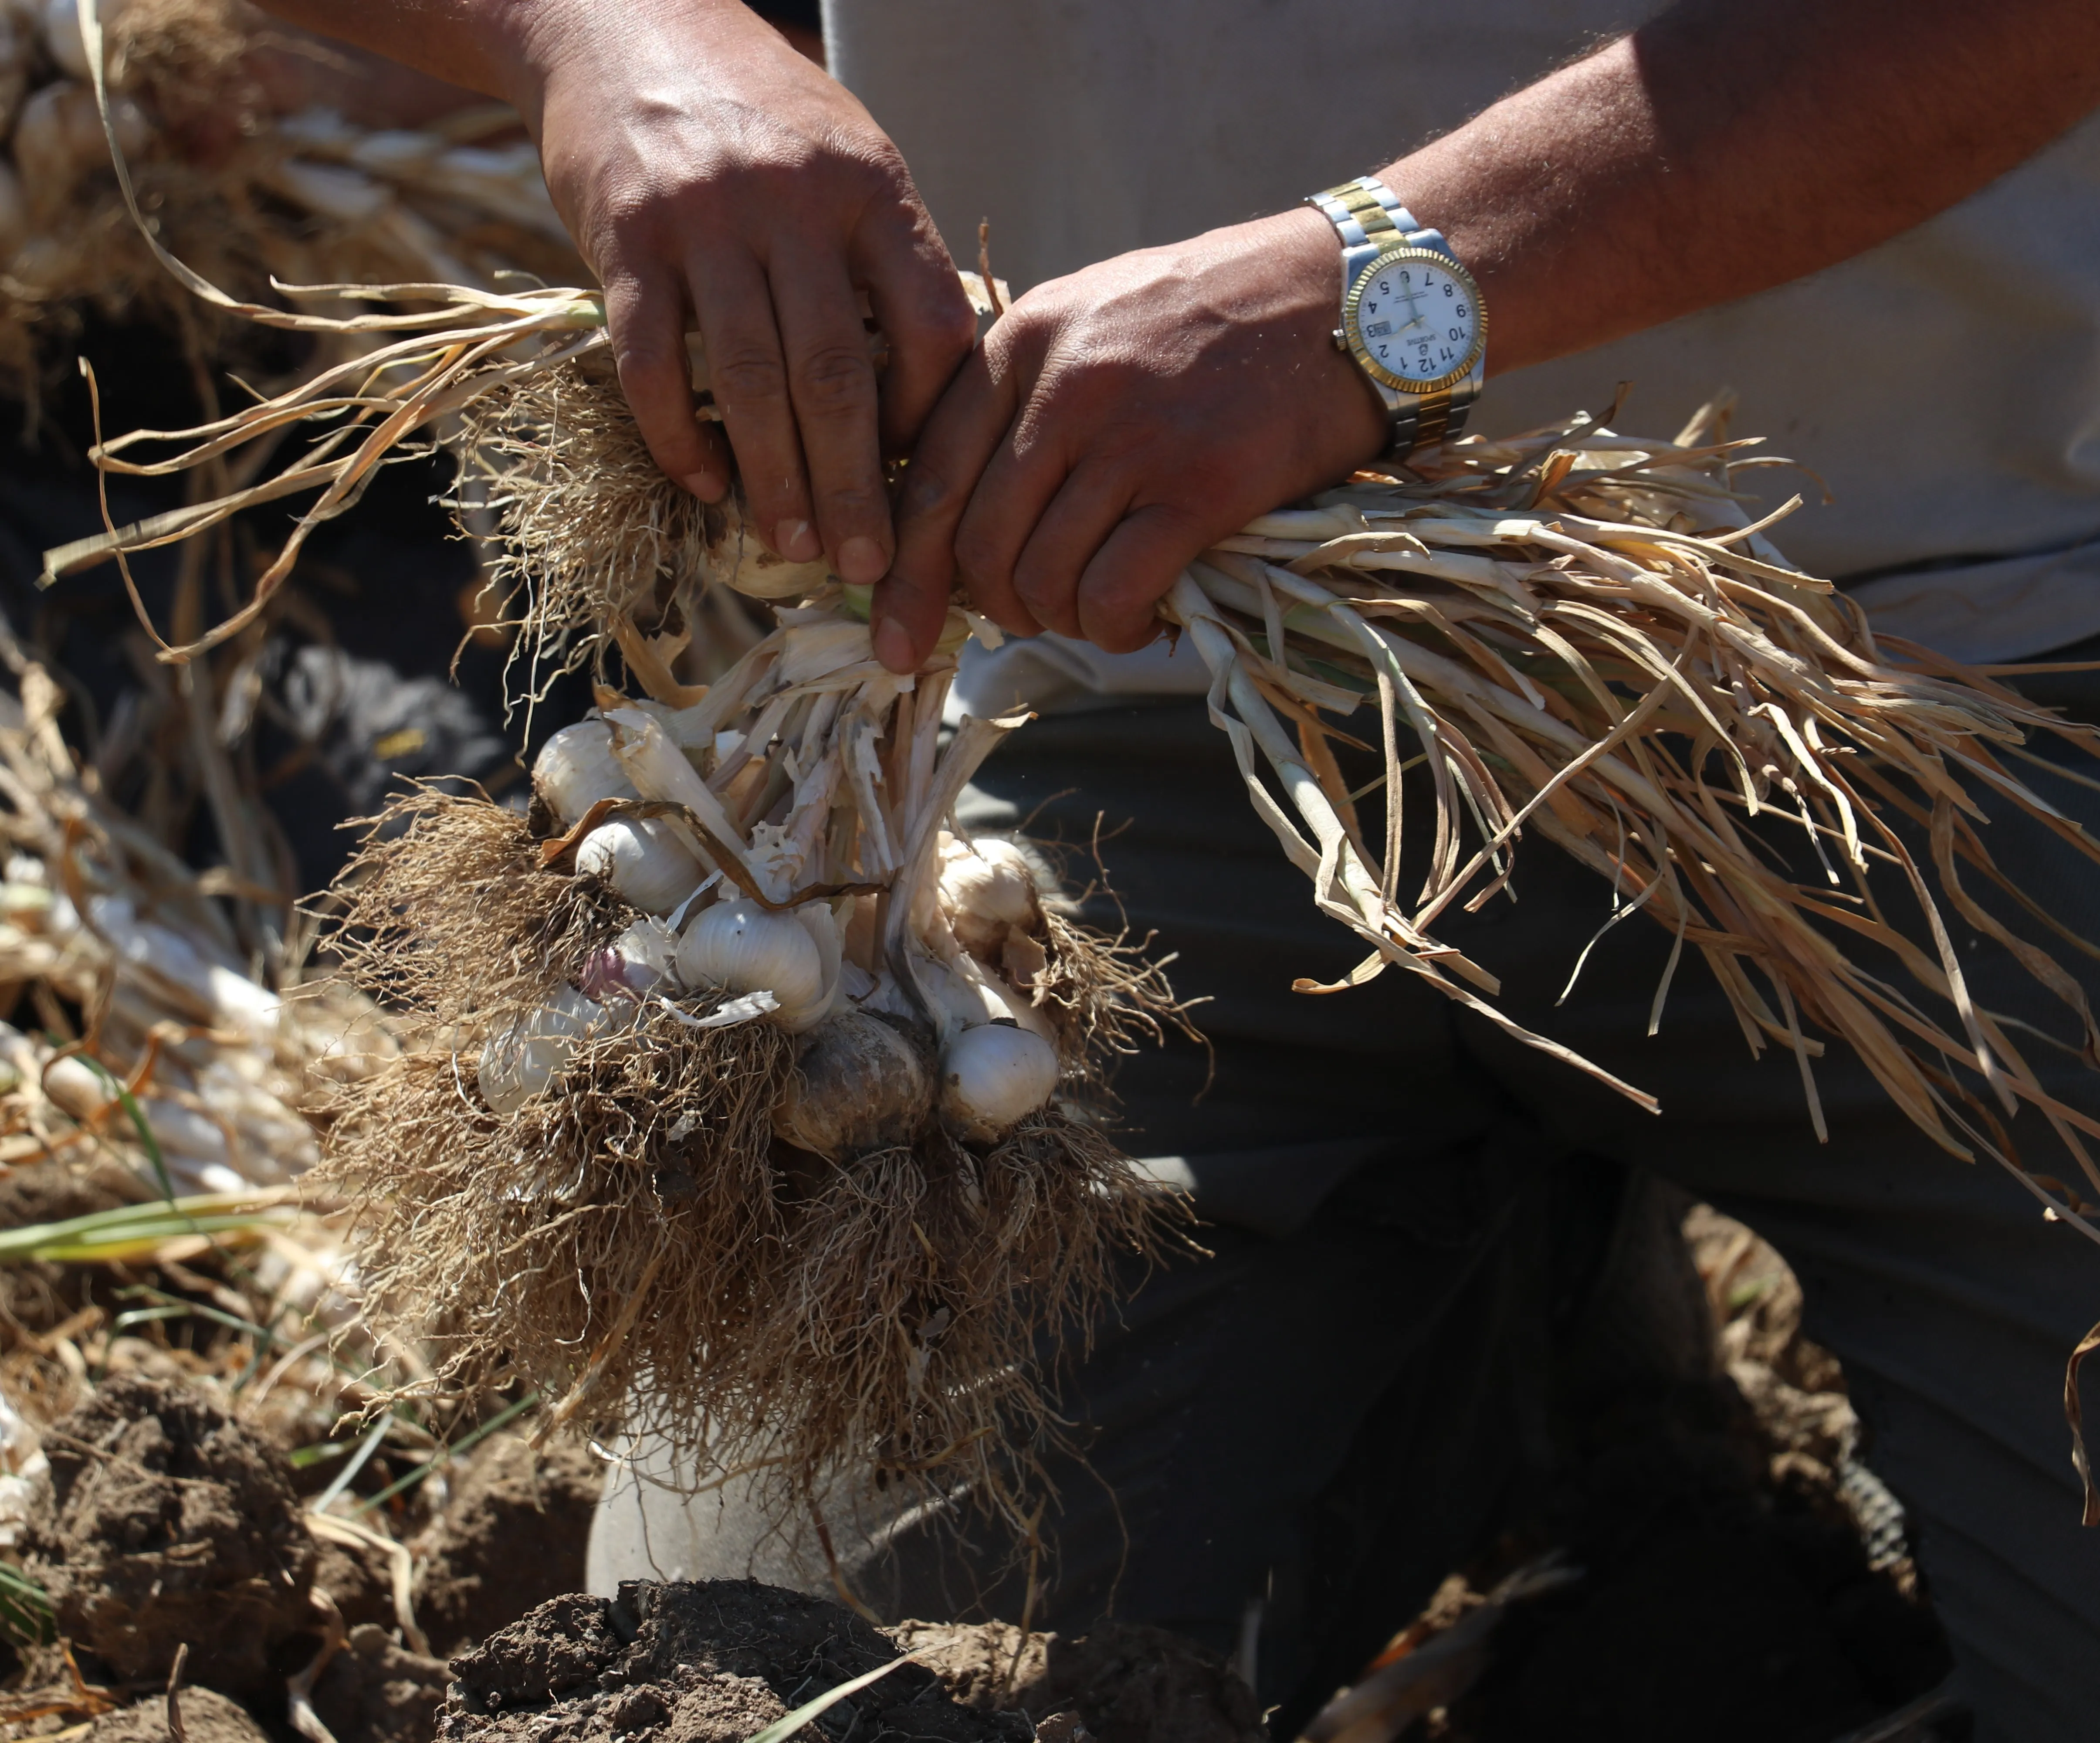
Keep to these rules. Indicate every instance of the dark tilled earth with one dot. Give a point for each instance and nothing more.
(1737, 1584)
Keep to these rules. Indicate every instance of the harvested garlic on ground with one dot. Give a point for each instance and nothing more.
(992, 1076)
(987, 886)
(576, 768)
(519, 1060)
(741, 947)
(644, 860)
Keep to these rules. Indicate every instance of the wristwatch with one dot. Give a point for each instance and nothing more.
(1411, 314)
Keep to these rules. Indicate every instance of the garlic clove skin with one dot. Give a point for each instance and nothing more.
(823, 924)
(576, 768)
(969, 994)
(645, 860)
(640, 961)
(740, 946)
(521, 1060)
(993, 1076)
(860, 1085)
(760, 575)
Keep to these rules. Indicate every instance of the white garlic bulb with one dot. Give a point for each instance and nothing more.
(63, 41)
(576, 768)
(519, 1060)
(741, 947)
(987, 886)
(859, 1085)
(61, 32)
(644, 859)
(992, 1076)
(966, 993)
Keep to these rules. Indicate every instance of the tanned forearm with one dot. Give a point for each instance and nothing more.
(476, 43)
(1728, 146)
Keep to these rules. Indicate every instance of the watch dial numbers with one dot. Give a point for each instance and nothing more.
(1417, 322)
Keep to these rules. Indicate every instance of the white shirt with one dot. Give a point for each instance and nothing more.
(1946, 385)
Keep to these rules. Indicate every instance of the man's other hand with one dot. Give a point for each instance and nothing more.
(1115, 423)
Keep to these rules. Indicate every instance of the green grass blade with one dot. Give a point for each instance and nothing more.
(139, 1123)
(114, 1233)
(445, 1455)
(781, 1729)
(25, 1610)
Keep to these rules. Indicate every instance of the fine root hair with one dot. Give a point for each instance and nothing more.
(594, 537)
(1106, 997)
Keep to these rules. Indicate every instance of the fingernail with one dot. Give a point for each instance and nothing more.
(861, 561)
(705, 485)
(892, 646)
(796, 540)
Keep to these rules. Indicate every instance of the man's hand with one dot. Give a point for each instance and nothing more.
(1117, 422)
(705, 167)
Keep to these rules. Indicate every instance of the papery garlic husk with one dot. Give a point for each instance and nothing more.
(760, 575)
(993, 1076)
(861, 1084)
(641, 960)
(576, 768)
(742, 946)
(967, 995)
(987, 887)
(827, 931)
(645, 860)
(524, 1057)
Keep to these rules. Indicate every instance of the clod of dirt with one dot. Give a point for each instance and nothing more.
(1127, 1682)
(710, 1662)
(514, 1535)
(168, 1522)
(207, 1718)
(376, 1692)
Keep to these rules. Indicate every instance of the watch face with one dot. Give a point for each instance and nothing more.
(1413, 320)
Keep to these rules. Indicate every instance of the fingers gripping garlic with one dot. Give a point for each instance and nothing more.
(992, 1076)
(741, 947)
(576, 768)
(518, 1062)
(644, 860)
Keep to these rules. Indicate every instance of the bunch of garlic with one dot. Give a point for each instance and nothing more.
(783, 841)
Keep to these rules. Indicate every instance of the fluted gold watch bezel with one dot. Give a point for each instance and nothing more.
(1352, 334)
